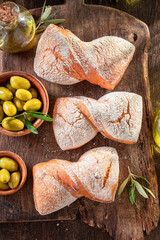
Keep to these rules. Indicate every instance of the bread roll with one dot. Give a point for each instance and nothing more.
(116, 115)
(62, 58)
(58, 183)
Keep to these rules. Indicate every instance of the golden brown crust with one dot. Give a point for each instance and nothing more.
(62, 58)
(117, 115)
(58, 183)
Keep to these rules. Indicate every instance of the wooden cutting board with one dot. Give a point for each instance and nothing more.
(120, 219)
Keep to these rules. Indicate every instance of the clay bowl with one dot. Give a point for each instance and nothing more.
(4, 77)
(22, 169)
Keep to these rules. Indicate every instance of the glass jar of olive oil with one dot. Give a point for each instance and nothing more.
(17, 28)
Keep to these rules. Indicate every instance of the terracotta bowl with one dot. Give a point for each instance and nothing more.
(22, 168)
(4, 77)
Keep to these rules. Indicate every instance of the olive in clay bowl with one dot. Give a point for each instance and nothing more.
(35, 83)
(21, 167)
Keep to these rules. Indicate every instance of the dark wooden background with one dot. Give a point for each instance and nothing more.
(149, 12)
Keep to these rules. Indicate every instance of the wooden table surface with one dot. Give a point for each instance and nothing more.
(149, 12)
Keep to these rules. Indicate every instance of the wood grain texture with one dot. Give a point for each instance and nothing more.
(90, 22)
(63, 230)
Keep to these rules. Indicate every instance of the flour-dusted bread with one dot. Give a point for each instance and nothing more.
(117, 115)
(63, 58)
(58, 183)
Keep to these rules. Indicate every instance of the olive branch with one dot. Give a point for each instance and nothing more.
(34, 114)
(135, 185)
(46, 17)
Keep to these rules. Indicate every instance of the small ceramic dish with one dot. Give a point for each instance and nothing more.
(4, 77)
(22, 169)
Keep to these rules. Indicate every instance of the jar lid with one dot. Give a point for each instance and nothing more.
(6, 13)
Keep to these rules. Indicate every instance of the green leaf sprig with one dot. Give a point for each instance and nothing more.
(29, 125)
(47, 17)
(135, 185)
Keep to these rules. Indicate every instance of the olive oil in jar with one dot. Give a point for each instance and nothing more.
(17, 28)
(156, 129)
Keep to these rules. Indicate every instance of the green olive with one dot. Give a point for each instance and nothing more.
(9, 108)
(18, 103)
(8, 85)
(1, 113)
(9, 164)
(32, 105)
(5, 94)
(4, 176)
(34, 93)
(23, 94)
(18, 82)
(4, 186)
(14, 180)
(12, 124)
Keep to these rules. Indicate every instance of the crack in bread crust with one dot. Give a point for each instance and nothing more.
(61, 57)
(58, 183)
(116, 115)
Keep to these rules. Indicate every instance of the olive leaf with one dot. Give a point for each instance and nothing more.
(54, 21)
(43, 8)
(50, 16)
(148, 190)
(46, 13)
(47, 17)
(135, 176)
(140, 189)
(123, 185)
(135, 185)
(43, 117)
(29, 125)
(40, 113)
(132, 193)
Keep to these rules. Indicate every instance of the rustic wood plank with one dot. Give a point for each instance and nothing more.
(65, 230)
(62, 230)
(96, 22)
